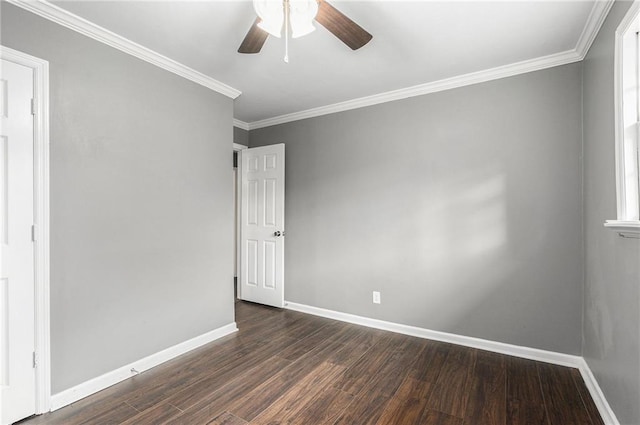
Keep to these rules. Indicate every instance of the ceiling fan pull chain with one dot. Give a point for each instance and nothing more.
(287, 10)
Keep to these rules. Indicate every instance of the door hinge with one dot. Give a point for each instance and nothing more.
(34, 234)
(35, 360)
(33, 106)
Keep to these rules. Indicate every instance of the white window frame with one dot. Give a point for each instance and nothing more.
(627, 124)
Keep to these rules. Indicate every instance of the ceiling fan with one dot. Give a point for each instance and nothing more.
(297, 15)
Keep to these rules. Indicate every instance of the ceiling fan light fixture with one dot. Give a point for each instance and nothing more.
(297, 16)
(302, 29)
(302, 13)
(271, 13)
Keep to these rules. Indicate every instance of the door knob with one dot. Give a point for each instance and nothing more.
(278, 233)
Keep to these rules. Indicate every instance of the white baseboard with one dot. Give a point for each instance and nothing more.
(467, 341)
(497, 347)
(101, 382)
(597, 395)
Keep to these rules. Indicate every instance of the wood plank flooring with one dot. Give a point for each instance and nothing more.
(285, 367)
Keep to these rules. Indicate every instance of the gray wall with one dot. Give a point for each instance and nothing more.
(140, 199)
(240, 136)
(612, 273)
(462, 207)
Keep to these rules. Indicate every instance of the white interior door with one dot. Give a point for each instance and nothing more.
(17, 285)
(262, 225)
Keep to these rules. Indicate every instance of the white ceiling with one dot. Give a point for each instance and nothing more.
(413, 43)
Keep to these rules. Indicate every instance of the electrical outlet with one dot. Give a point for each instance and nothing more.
(376, 297)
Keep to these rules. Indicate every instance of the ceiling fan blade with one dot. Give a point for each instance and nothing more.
(351, 34)
(254, 40)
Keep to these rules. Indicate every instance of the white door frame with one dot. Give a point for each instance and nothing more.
(41, 217)
(237, 147)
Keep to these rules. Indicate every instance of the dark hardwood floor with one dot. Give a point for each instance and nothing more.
(284, 367)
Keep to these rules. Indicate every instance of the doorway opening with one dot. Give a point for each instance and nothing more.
(237, 148)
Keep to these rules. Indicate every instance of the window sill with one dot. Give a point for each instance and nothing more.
(626, 229)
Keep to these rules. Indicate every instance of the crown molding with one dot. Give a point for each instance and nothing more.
(69, 20)
(523, 67)
(596, 18)
(241, 124)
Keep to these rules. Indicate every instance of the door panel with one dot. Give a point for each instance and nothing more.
(270, 202)
(252, 262)
(269, 249)
(262, 225)
(17, 288)
(253, 202)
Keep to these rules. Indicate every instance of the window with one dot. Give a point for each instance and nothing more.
(627, 121)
